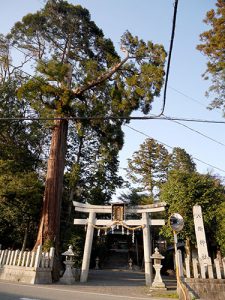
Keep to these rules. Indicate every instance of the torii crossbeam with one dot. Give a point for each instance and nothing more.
(145, 222)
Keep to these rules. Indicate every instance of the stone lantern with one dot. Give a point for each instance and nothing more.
(68, 277)
(157, 283)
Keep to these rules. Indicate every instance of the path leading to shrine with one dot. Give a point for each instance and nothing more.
(102, 285)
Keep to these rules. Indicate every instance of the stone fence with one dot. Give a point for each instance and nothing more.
(202, 280)
(201, 269)
(26, 266)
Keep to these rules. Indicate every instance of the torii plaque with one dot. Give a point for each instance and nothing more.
(118, 219)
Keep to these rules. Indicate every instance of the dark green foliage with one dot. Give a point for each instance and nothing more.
(220, 233)
(21, 156)
(74, 63)
(77, 73)
(182, 191)
(181, 160)
(92, 163)
(213, 45)
(149, 166)
(65, 41)
(135, 198)
(20, 202)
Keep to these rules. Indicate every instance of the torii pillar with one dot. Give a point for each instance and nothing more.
(87, 248)
(147, 249)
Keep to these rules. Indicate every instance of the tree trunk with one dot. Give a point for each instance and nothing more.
(49, 227)
(25, 236)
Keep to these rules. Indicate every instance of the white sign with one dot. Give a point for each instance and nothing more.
(200, 234)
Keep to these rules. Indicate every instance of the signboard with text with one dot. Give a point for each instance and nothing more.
(200, 233)
(118, 212)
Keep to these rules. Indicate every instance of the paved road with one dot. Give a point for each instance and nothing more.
(101, 286)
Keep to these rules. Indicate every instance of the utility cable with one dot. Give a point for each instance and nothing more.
(195, 158)
(198, 132)
(169, 57)
(151, 117)
(186, 96)
(165, 118)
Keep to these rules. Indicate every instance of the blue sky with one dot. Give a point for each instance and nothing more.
(152, 20)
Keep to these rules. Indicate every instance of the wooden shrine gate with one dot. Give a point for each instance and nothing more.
(117, 212)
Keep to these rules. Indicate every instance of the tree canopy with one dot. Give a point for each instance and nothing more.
(213, 45)
(148, 166)
(79, 75)
(182, 191)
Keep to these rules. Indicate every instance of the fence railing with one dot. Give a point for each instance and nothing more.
(212, 269)
(32, 259)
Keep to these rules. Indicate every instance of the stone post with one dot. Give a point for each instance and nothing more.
(195, 267)
(187, 266)
(218, 271)
(180, 263)
(38, 257)
(87, 247)
(210, 269)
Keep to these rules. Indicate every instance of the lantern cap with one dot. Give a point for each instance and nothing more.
(69, 252)
(157, 255)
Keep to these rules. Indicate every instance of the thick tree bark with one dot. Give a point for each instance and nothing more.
(48, 233)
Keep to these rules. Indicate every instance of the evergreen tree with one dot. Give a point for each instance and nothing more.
(79, 74)
(220, 232)
(135, 198)
(20, 202)
(182, 191)
(93, 164)
(149, 167)
(213, 45)
(181, 160)
(21, 155)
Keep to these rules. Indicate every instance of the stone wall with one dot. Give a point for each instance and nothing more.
(26, 267)
(204, 289)
(26, 274)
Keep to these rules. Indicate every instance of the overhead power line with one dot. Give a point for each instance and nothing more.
(154, 117)
(187, 96)
(169, 57)
(164, 118)
(200, 133)
(195, 158)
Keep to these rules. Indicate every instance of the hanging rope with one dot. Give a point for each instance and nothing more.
(119, 223)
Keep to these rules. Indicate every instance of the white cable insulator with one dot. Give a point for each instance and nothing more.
(98, 232)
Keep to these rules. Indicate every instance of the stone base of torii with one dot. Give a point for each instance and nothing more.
(92, 222)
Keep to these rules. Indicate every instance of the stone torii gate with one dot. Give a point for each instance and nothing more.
(117, 212)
